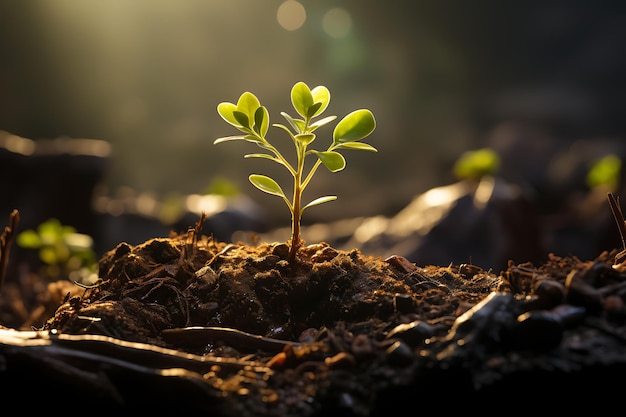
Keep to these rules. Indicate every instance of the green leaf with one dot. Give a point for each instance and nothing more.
(305, 138)
(50, 255)
(228, 139)
(355, 126)
(476, 164)
(320, 95)
(51, 231)
(264, 156)
(334, 161)
(313, 110)
(247, 104)
(605, 171)
(259, 155)
(321, 122)
(254, 139)
(29, 239)
(51, 227)
(319, 201)
(296, 124)
(261, 121)
(360, 146)
(225, 110)
(266, 184)
(242, 119)
(301, 98)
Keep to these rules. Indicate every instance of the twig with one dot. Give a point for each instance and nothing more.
(621, 225)
(226, 249)
(6, 240)
(198, 336)
(192, 238)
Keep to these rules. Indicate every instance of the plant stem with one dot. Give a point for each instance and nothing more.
(619, 218)
(296, 212)
(295, 231)
(6, 240)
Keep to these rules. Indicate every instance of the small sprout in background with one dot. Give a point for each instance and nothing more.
(605, 172)
(224, 187)
(476, 164)
(251, 118)
(64, 252)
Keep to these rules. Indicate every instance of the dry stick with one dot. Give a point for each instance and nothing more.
(6, 240)
(198, 336)
(100, 349)
(621, 225)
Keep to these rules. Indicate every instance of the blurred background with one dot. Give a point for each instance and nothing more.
(540, 82)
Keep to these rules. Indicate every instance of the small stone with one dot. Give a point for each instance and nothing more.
(403, 303)
(399, 354)
(413, 333)
(281, 250)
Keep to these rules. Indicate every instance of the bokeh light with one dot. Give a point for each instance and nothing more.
(440, 77)
(291, 15)
(337, 22)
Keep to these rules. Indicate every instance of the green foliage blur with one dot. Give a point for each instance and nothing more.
(476, 164)
(64, 253)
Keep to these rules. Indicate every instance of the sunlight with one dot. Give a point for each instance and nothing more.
(371, 228)
(17, 144)
(209, 204)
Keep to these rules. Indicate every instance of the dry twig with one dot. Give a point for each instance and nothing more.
(6, 240)
(621, 226)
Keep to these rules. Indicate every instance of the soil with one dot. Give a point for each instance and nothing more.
(200, 326)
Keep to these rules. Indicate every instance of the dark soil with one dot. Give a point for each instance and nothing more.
(205, 327)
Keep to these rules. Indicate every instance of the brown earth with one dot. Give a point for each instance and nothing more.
(192, 324)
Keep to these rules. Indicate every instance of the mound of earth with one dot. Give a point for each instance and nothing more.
(192, 324)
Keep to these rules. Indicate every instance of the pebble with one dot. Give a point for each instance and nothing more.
(414, 333)
(399, 354)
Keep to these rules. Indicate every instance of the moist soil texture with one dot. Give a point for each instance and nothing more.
(195, 325)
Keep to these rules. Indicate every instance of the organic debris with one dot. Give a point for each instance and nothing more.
(237, 330)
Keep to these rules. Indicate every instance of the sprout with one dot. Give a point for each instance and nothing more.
(251, 118)
(63, 250)
(605, 172)
(476, 164)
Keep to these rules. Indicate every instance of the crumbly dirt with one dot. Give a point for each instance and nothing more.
(206, 327)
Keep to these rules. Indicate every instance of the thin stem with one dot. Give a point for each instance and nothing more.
(308, 177)
(275, 151)
(619, 218)
(6, 240)
(296, 212)
(314, 168)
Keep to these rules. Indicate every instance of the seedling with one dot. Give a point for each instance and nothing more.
(476, 164)
(62, 250)
(605, 173)
(253, 119)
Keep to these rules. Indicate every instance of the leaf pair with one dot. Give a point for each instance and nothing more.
(248, 116)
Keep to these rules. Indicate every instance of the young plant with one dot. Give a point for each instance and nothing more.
(253, 119)
(476, 164)
(64, 252)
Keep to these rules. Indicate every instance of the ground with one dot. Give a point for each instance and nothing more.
(214, 328)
